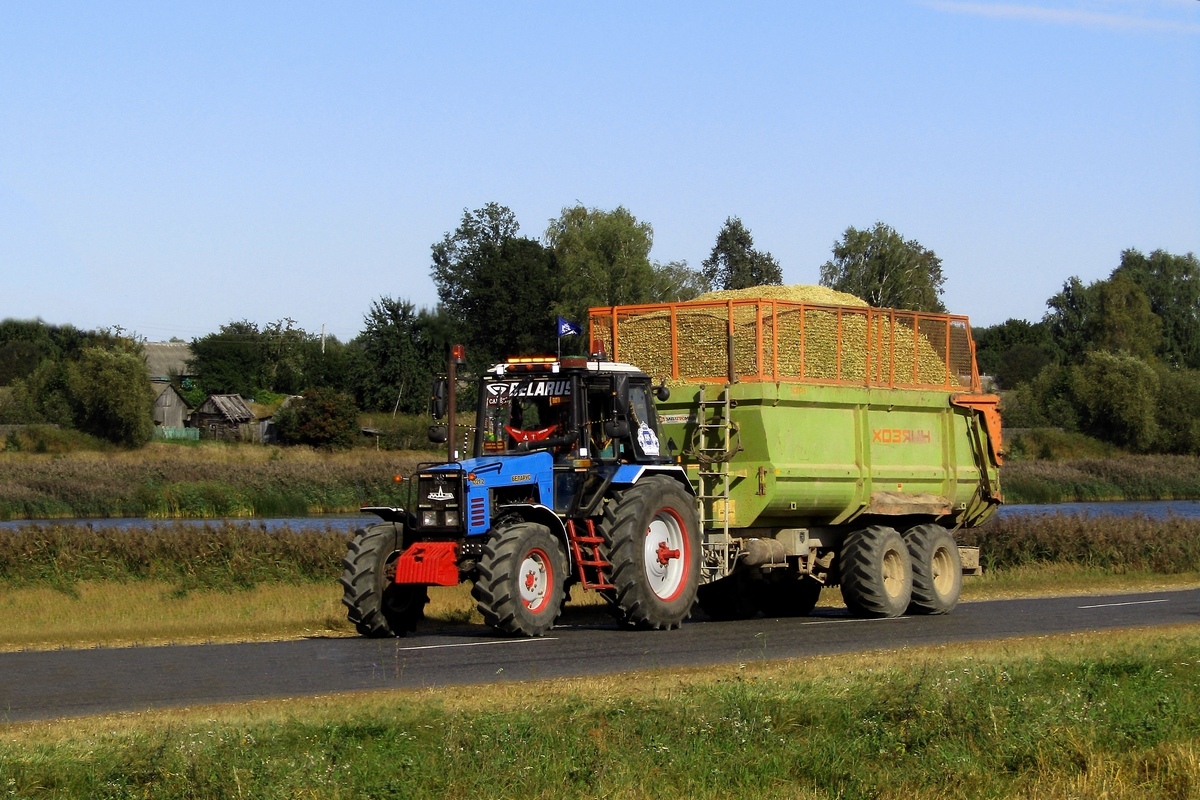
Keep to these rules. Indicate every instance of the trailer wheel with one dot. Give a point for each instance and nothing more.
(789, 596)
(732, 597)
(653, 540)
(936, 568)
(377, 606)
(876, 572)
(521, 575)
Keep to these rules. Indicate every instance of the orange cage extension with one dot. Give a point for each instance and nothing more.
(947, 337)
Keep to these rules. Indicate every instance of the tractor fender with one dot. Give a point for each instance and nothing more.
(543, 515)
(536, 512)
(629, 474)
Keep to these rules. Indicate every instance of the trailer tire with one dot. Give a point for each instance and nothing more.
(789, 596)
(936, 568)
(653, 540)
(876, 572)
(732, 597)
(375, 605)
(519, 590)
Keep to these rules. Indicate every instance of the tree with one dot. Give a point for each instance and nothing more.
(735, 264)
(229, 361)
(882, 268)
(602, 259)
(1172, 284)
(1069, 319)
(1113, 315)
(676, 282)
(1123, 321)
(498, 288)
(400, 350)
(1117, 396)
(111, 396)
(995, 344)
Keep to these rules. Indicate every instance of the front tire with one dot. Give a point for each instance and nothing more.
(377, 606)
(876, 572)
(521, 575)
(654, 547)
(936, 568)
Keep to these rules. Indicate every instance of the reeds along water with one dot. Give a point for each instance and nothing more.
(1116, 544)
(1158, 477)
(175, 483)
(224, 555)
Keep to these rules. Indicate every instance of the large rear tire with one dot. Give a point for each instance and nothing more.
(377, 606)
(876, 572)
(653, 541)
(521, 575)
(936, 568)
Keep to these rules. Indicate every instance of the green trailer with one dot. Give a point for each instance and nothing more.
(826, 445)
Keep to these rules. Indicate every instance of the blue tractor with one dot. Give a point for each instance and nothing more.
(567, 485)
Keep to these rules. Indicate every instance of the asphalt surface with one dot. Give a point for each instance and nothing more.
(44, 685)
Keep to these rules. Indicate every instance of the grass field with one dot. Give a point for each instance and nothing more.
(1113, 715)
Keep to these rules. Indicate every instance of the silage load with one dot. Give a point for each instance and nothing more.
(870, 348)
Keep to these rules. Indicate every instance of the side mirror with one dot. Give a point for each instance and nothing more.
(662, 391)
(437, 398)
(616, 429)
(438, 434)
(621, 394)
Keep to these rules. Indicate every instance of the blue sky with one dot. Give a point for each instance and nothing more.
(168, 168)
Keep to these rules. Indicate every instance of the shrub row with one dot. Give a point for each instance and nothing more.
(1092, 479)
(1109, 543)
(243, 554)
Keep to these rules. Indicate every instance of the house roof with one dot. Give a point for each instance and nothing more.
(164, 359)
(230, 406)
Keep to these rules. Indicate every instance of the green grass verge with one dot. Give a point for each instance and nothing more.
(1106, 715)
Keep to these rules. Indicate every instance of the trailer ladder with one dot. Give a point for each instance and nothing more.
(712, 447)
(589, 562)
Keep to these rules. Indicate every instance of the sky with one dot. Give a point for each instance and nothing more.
(168, 168)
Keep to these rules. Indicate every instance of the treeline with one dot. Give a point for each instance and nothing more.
(1117, 359)
(91, 381)
(499, 293)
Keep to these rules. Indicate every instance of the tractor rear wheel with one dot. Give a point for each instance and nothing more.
(936, 568)
(653, 540)
(875, 572)
(377, 606)
(521, 575)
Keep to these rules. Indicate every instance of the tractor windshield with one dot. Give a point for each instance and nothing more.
(524, 410)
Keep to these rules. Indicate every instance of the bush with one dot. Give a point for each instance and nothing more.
(323, 418)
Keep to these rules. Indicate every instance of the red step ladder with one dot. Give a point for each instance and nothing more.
(590, 563)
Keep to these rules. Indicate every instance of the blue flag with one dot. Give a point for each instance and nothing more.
(568, 328)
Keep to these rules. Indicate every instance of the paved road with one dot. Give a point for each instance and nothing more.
(45, 685)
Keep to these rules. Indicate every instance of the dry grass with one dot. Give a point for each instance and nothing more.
(111, 614)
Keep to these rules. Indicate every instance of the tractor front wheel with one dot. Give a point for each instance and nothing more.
(521, 575)
(377, 606)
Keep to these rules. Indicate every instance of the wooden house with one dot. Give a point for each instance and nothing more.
(170, 409)
(225, 417)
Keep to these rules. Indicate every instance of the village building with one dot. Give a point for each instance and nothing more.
(226, 417)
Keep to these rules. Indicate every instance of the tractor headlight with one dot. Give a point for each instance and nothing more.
(429, 519)
(451, 520)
